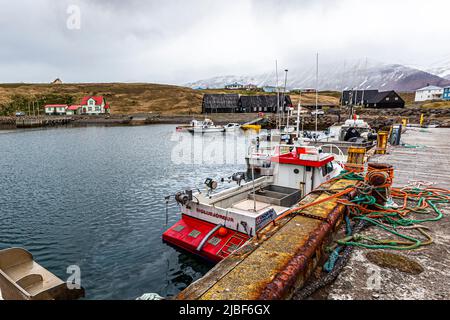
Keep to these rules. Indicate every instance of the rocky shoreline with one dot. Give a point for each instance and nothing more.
(377, 118)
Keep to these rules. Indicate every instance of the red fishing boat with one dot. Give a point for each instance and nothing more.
(215, 224)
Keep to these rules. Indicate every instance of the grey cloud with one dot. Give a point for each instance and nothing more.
(180, 41)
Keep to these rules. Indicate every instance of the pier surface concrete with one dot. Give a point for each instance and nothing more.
(428, 162)
(280, 260)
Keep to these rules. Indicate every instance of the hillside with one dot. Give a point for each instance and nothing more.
(124, 97)
(131, 98)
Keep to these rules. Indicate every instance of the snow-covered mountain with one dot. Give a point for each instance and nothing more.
(441, 68)
(358, 74)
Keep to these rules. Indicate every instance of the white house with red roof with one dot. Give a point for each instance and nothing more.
(94, 105)
(58, 109)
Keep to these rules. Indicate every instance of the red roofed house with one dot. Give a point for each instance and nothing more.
(75, 109)
(59, 109)
(94, 105)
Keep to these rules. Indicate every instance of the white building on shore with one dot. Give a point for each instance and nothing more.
(55, 109)
(429, 93)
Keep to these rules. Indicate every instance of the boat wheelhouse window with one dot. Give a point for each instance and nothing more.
(327, 169)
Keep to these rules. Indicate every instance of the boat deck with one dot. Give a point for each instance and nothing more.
(247, 207)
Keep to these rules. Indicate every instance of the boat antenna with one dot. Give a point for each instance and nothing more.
(350, 94)
(317, 86)
(278, 96)
(253, 183)
(364, 75)
(284, 98)
(299, 106)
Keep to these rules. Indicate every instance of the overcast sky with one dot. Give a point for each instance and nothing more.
(177, 41)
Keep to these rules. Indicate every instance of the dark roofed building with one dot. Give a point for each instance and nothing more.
(355, 97)
(263, 103)
(372, 99)
(231, 103)
(220, 103)
(386, 99)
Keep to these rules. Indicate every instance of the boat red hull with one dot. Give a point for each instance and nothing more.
(189, 232)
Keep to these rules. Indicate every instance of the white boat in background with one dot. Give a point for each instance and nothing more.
(205, 126)
(232, 127)
(185, 127)
(354, 129)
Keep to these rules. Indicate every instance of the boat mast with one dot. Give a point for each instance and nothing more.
(362, 99)
(278, 97)
(284, 98)
(317, 86)
(299, 106)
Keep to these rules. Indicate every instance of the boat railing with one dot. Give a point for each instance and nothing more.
(340, 153)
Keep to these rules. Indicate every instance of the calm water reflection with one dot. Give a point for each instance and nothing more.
(94, 197)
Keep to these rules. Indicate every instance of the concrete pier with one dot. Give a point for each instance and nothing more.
(425, 158)
(274, 265)
(428, 161)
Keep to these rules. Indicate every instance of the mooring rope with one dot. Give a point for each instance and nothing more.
(364, 209)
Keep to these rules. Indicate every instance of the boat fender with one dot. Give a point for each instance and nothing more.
(223, 232)
(150, 296)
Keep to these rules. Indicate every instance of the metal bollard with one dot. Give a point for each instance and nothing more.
(382, 141)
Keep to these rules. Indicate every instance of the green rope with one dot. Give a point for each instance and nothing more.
(394, 220)
(391, 245)
(348, 175)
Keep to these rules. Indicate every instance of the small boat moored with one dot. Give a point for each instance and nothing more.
(206, 126)
(254, 127)
(232, 127)
(21, 278)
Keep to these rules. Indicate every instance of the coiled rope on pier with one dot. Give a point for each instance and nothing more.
(366, 212)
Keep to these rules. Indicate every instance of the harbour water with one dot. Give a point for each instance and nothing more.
(94, 197)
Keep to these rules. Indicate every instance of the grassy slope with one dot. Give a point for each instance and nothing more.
(124, 98)
(128, 98)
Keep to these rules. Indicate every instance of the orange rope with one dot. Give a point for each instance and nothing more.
(312, 204)
(400, 193)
